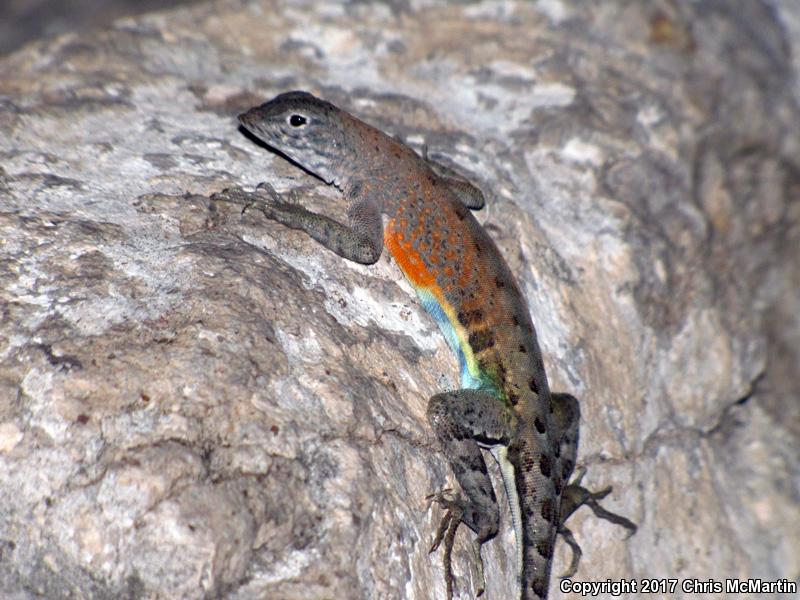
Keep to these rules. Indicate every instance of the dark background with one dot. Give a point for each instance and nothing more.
(22, 21)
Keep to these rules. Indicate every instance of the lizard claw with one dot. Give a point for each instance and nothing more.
(234, 195)
(290, 197)
(271, 192)
(265, 199)
(443, 496)
(579, 473)
(450, 503)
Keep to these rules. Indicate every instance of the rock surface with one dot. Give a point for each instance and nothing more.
(196, 404)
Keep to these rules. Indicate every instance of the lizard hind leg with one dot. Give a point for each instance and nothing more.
(465, 421)
(469, 195)
(566, 411)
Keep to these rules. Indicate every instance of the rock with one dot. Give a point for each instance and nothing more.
(197, 404)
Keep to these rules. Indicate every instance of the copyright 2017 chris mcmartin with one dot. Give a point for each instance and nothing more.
(617, 587)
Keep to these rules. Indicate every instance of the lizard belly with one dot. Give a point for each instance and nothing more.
(500, 454)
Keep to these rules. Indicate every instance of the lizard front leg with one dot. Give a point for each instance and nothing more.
(464, 421)
(360, 241)
(466, 192)
(469, 194)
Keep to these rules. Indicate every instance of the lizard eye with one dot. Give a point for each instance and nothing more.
(297, 120)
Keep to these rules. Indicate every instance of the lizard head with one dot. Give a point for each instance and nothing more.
(305, 129)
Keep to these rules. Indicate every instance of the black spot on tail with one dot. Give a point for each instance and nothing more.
(533, 386)
(523, 349)
(499, 282)
(540, 427)
(545, 466)
(548, 513)
(528, 509)
(539, 587)
(544, 548)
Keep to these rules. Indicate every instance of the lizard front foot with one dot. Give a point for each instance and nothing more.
(265, 198)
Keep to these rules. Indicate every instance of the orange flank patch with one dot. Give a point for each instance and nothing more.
(433, 298)
(408, 259)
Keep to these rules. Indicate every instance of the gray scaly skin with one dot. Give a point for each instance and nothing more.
(505, 404)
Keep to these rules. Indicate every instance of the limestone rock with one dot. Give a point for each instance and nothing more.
(199, 404)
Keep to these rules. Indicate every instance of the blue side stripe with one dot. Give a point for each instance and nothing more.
(431, 304)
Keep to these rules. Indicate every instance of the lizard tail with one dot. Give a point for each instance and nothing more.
(538, 482)
(537, 560)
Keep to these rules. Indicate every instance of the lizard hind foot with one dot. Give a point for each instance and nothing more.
(446, 532)
(454, 506)
(573, 497)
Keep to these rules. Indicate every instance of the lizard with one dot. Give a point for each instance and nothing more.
(504, 404)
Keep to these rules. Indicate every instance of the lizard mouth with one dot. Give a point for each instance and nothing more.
(252, 124)
(249, 119)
